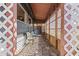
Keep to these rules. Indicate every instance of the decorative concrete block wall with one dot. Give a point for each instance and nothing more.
(71, 27)
(8, 29)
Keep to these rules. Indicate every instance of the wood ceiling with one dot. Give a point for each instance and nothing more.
(40, 11)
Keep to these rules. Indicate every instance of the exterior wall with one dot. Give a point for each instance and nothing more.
(8, 28)
(70, 41)
(53, 32)
(71, 28)
(50, 30)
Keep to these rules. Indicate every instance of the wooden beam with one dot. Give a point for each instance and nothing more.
(62, 52)
(56, 26)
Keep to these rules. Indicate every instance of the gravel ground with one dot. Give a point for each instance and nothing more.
(38, 47)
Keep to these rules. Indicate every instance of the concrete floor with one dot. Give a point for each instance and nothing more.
(38, 47)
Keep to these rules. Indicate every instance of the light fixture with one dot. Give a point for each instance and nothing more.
(74, 22)
(2, 49)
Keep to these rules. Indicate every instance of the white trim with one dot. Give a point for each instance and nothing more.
(25, 12)
(22, 8)
(30, 18)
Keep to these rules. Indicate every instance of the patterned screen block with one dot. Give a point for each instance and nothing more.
(71, 27)
(7, 28)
